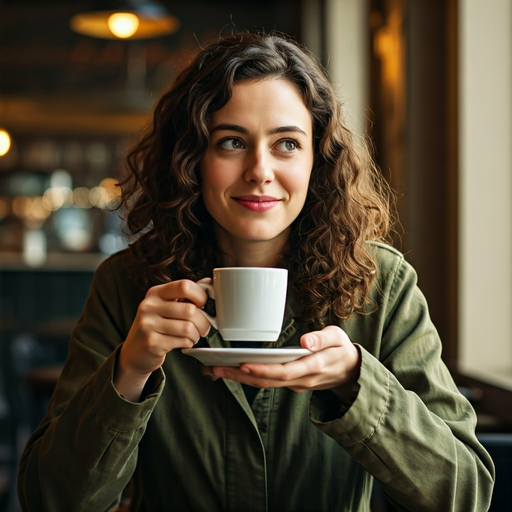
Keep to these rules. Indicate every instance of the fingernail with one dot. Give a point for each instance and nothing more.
(310, 342)
(207, 331)
(207, 372)
(245, 369)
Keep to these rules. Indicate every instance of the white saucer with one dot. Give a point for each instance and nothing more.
(237, 356)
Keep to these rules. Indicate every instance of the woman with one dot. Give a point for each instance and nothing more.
(247, 162)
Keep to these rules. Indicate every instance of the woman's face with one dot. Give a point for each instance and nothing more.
(256, 170)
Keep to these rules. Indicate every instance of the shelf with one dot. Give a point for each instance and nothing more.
(55, 261)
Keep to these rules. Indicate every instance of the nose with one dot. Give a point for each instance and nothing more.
(258, 168)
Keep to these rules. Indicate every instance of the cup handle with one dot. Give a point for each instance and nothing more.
(208, 288)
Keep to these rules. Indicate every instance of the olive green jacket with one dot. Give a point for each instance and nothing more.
(197, 445)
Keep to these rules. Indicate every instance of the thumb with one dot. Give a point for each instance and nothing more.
(330, 336)
(310, 341)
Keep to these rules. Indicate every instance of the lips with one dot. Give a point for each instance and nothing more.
(257, 203)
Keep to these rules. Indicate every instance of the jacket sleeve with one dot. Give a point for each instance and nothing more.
(409, 426)
(84, 451)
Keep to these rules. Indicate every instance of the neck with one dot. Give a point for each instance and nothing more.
(244, 253)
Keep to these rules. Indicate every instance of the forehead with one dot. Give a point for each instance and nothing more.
(272, 100)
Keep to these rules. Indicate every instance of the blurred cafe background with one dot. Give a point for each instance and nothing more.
(429, 82)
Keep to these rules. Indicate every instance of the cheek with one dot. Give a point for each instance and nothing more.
(214, 185)
(214, 175)
(208, 178)
(299, 184)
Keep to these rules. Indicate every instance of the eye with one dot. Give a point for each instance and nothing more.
(287, 145)
(231, 144)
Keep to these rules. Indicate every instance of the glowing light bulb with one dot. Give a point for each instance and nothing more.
(5, 142)
(123, 24)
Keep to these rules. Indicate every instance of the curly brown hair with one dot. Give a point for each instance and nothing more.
(348, 202)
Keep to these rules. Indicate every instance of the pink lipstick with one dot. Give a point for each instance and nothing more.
(257, 203)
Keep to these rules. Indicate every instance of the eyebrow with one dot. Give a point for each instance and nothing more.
(242, 129)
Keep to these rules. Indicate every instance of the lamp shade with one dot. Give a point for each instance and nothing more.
(142, 20)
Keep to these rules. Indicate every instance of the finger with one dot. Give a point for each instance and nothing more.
(258, 382)
(235, 373)
(154, 345)
(162, 343)
(280, 372)
(154, 306)
(146, 325)
(310, 372)
(207, 371)
(330, 336)
(182, 289)
(269, 375)
(180, 329)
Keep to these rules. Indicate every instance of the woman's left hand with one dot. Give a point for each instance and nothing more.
(334, 365)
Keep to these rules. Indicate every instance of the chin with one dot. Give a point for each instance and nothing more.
(263, 236)
(248, 237)
(252, 232)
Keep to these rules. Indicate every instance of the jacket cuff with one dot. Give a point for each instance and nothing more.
(360, 421)
(112, 409)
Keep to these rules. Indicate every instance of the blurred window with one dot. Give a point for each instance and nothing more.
(485, 177)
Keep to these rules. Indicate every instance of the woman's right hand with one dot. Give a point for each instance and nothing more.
(167, 318)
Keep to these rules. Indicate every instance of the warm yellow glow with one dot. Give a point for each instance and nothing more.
(111, 185)
(98, 197)
(5, 208)
(123, 24)
(81, 197)
(21, 206)
(38, 211)
(96, 24)
(54, 198)
(5, 142)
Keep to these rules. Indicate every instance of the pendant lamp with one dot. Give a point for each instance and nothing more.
(5, 141)
(129, 19)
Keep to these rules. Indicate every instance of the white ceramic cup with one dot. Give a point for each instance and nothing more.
(249, 302)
